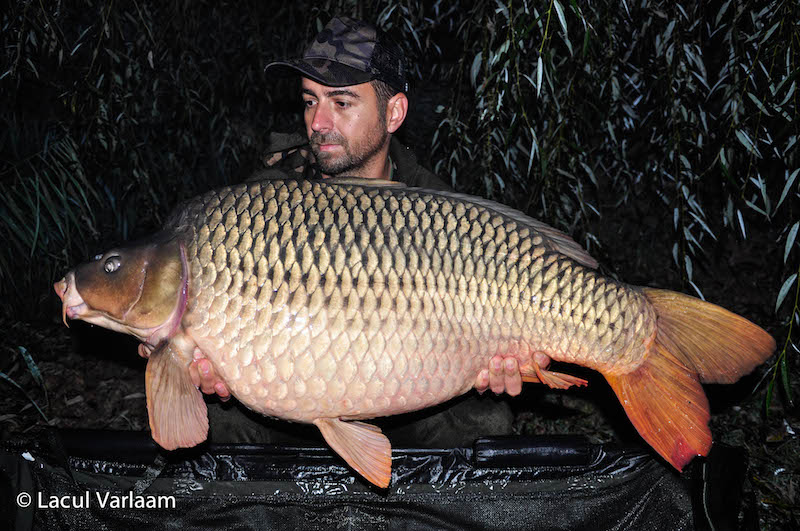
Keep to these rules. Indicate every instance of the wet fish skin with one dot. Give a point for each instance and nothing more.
(406, 296)
(324, 301)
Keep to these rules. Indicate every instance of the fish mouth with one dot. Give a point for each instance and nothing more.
(74, 307)
(72, 304)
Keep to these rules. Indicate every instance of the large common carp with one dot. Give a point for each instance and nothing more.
(330, 302)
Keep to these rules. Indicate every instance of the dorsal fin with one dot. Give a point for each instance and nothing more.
(361, 181)
(560, 241)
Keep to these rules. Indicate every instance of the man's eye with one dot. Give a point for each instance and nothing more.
(342, 104)
(308, 103)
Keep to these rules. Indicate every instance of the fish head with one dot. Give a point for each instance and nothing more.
(138, 290)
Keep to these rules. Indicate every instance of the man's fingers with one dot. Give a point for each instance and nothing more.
(144, 351)
(201, 373)
(203, 376)
(512, 377)
(497, 375)
(482, 381)
(222, 391)
(502, 376)
(207, 376)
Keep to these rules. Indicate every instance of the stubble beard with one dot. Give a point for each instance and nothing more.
(354, 157)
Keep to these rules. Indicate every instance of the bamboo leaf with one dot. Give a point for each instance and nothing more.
(784, 370)
(531, 81)
(741, 223)
(4, 376)
(770, 32)
(702, 224)
(788, 94)
(790, 240)
(722, 10)
(762, 186)
(539, 74)
(747, 143)
(756, 208)
(502, 8)
(34, 370)
(697, 290)
(758, 103)
(534, 147)
(792, 142)
(789, 183)
(590, 173)
(784, 290)
(560, 13)
(476, 66)
(36, 72)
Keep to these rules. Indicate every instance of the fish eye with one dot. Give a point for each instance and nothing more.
(112, 264)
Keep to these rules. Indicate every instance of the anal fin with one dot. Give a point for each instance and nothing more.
(363, 446)
(175, 407)
(534, 373)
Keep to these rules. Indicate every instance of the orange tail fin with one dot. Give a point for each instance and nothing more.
(695, 342)
(719, 345)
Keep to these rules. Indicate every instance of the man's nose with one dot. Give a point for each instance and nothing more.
(322, 120)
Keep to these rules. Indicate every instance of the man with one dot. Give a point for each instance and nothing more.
(353, 85)
(354, 90)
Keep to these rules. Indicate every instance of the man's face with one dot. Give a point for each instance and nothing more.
(344, 126)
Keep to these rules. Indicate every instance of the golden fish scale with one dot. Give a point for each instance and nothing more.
(317, 300)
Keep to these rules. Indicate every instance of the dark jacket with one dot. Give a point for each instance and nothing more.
(289, 153)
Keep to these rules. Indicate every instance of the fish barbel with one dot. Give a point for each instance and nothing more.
(334, 301)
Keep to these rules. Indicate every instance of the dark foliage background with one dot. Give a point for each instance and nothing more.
(662, 135)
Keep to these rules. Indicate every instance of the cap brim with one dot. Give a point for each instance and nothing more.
(323, 71)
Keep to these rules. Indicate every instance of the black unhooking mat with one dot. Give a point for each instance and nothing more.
(119, 480)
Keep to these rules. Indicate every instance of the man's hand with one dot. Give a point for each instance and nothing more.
(201, 372)
(502, 375)
(204, 377)
(304, 157)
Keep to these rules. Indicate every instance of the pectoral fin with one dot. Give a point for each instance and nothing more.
(177, 411)
(362, 445)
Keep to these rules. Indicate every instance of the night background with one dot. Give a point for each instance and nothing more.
(662, 136)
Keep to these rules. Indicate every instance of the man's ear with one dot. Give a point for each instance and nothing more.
(396, 112)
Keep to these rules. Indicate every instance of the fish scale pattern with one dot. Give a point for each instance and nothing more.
(324, 300)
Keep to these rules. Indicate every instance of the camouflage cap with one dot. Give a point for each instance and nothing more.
(348, 52)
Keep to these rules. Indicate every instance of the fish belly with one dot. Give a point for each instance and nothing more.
(371, 367)
(317, 300)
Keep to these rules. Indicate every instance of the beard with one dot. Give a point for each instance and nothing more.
(355, 154)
